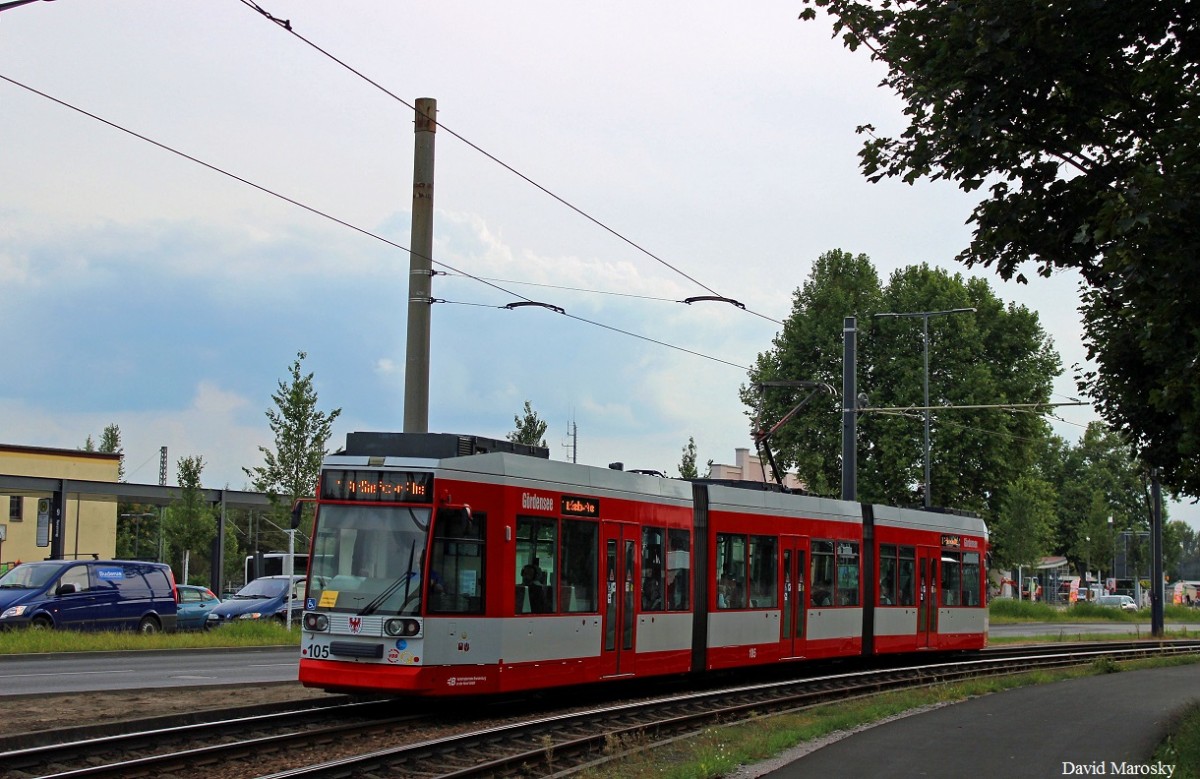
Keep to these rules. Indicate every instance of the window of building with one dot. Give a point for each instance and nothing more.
(15, 508)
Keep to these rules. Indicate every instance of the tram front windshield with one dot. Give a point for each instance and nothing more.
(368, 558)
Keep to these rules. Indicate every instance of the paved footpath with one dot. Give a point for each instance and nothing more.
(1106, 725)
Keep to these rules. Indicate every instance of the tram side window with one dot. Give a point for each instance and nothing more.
(679, 570)
(652, 569)
(887, 575)
(731, 563)
(456, 574)
(580, 550)
(822, 573)
(951, 579)
(537, 551)
(907, 570)
(971, 579)
(764, 572)
(847, 570)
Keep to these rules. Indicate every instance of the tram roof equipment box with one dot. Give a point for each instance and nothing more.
(433, 445)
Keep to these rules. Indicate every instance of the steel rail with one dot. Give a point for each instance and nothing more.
(498, 750)
(561, 743)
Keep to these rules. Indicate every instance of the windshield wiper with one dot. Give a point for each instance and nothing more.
(379, 599)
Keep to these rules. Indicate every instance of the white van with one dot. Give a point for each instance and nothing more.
(1119, 601)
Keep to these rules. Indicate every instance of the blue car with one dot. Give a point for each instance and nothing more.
(195, 602)
(89, 595)
(264, 598)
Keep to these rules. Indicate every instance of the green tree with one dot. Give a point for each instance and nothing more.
(809, 349)
(110, 443)
(189, 523)
(1022, 531)
(997, 355)
(1098, 479)
(1081, 118)
(529, 430)
(687, 462)
(291, 470)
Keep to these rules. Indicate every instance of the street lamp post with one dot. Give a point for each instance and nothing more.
(925, 315)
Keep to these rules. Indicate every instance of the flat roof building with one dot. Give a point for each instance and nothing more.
(89, 526)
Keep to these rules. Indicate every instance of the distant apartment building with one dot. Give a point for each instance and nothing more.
(750, 467)
(89, 526)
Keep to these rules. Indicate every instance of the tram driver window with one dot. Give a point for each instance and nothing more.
(456, 575)
(537, 552)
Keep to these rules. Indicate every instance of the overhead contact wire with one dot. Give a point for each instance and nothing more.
(286, 25)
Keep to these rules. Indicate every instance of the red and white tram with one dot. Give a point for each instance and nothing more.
(455, 565)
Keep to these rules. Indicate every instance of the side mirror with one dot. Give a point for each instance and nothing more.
(67, 589)
(297, 514)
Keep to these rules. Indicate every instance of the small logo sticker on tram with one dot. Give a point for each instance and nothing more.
(310, 604)
(355, 624)
(394, 656)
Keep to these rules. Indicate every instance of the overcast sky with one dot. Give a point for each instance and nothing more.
(146, 290)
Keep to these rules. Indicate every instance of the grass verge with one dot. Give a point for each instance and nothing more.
(1007, 611)
(719, 751)
(236, 634)
(1182, 747)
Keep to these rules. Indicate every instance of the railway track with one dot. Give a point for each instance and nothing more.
(371, 739)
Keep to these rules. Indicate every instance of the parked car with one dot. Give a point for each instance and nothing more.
(89, 595)
(1119, 601)
(195, 603)
(264, 598)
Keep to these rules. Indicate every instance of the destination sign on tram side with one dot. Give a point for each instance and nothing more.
(580, 507)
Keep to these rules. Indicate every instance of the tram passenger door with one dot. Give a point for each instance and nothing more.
(795, 596)
(620, 543)
(928, 559)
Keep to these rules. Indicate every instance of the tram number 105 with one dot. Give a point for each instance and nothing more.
(318, 651)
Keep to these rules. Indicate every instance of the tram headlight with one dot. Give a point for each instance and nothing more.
(316, 622)
(408, 628)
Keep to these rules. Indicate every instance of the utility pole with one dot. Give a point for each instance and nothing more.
(849, 408)
(1156, 557)
(420, 273)
(924, 315)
